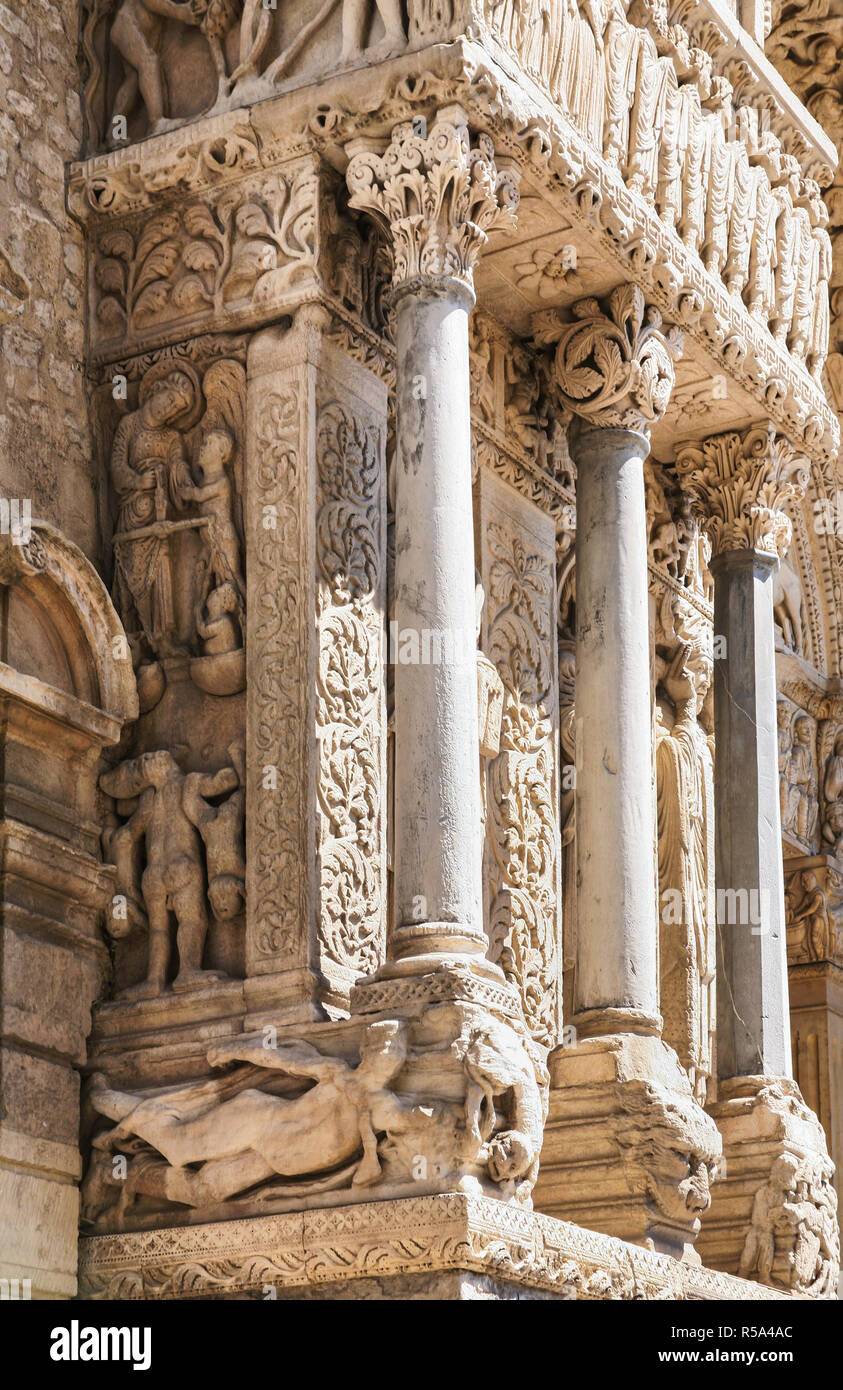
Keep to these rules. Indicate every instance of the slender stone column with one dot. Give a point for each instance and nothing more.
(438, 196)
(740, 483)
(616, 984)
(627, 1150)
(772, 1142)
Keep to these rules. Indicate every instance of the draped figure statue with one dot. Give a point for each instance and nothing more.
(685, 788)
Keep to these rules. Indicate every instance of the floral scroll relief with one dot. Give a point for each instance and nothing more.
(276, 853)
(349, 716)
(522, 822)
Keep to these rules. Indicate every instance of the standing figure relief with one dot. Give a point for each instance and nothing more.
(177, 851)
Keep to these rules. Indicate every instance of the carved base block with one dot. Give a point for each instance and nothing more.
(442, 1247)
(773, 1214)
(626, 1147)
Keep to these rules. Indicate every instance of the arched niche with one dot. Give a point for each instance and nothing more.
(59, 626)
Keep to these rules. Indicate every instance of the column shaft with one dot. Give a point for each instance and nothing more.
(753, 1028)
(437, 798)
(616, 940)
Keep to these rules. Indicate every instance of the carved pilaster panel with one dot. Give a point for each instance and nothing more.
(351, 684)
(240, 255)
(316, 517)
(517, 560)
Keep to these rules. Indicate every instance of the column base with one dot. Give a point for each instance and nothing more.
(773, 1214)
(446, 1247)
(627, 1150)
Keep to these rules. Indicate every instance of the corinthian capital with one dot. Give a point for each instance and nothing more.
(615, 362)
(438, 192)
(739, 483)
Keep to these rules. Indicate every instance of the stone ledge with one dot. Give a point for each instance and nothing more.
(299, 1254)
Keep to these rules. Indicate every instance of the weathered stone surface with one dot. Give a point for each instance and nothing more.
(423, 641)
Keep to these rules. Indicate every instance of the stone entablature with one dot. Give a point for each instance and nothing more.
(608, 235)
(202, 59)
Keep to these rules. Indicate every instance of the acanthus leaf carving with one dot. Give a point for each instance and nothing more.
(440, 194)
(615, 364)
(740, 483)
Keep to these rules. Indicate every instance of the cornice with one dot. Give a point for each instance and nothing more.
(524, 126)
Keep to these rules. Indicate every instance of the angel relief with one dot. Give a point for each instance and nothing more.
(176, 467)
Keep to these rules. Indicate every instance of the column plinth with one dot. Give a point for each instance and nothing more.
(627, 1149)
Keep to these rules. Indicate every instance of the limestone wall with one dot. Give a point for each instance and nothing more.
(45, 450)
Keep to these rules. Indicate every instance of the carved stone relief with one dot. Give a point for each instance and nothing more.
(351, 792)
(184, 269)
(517, 559)
(680, 585)
(178, 848)
(317, 529)
(798, 783)
(642, 94)
(814, 903)
(153, 64)
(176, 470)
(233, 1144)
(793, 1240)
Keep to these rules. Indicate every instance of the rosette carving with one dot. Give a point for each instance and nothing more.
(739, 484)
(438, 192)
(21, 558)
(615, 362)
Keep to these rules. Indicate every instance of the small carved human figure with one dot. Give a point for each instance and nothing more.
(216, 621)
(813, 912)
(221, 828)
(355, 15)
(214, 494)
(832, 828)
(173, 879)
(149, 472)
(685, 801)
(495, 1069)
(136, 34)
(794, 1217)
(801, 816)
(769, 1205)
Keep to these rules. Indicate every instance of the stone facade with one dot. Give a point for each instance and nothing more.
(419, 588)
